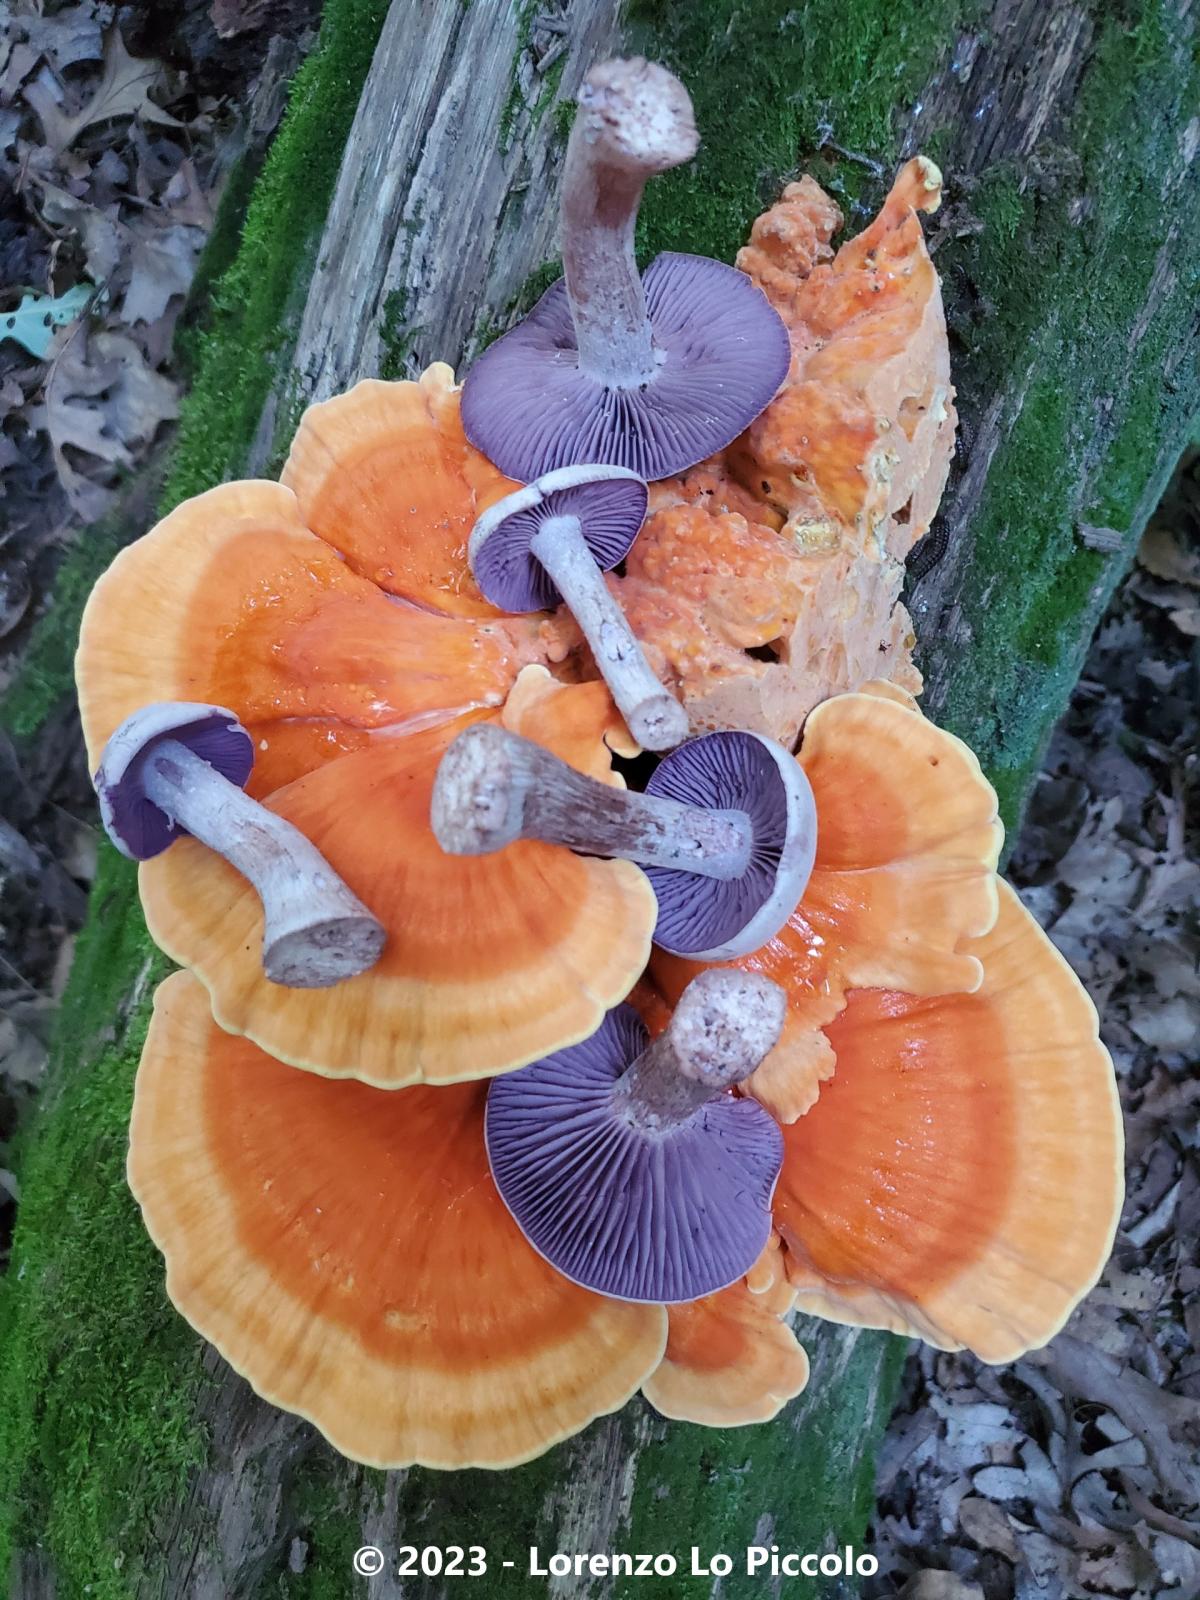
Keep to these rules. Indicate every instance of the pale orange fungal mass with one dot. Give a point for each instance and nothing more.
(908, 837)
(816, 505)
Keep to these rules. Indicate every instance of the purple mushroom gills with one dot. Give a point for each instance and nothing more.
(176, 768)
(628, 1165)
(653, 373)
(726, 830)
(551, 542)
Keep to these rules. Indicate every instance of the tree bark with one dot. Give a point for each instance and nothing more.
(444, 207)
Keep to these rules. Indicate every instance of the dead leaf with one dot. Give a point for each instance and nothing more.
(68, 36)
(102, 400)
(1162, 554)
(989, 1526)
(934, 1585)
(123, 91)
(103, 238)
(163, 265)
(1187, 620)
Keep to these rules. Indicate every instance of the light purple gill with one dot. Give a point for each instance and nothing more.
(650, 1214)
(610, 511)
(722, 349)
(701, 916)
(138, 827)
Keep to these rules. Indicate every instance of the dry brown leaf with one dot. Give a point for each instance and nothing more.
(163, 264)
(934, 1585)
(123, 91)
(103, 401)
(989, 1526)
(1161, 553)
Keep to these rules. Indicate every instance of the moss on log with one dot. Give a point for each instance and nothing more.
(132, 1463)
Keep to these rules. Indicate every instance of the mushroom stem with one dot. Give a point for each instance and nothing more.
(725, 1023)
(494, 787)
(635, 120)
(655, 718)
(315, 931)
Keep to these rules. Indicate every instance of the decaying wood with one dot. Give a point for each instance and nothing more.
(434, 228)
(1006, 94)
(447, 198)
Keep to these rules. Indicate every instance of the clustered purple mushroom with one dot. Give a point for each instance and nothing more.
(629, 1166)
(175, 768)
(726, 830)
(653, 373)
(551, 541)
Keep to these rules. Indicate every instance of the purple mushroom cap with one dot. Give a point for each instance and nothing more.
(718, 919)
(610, 504)
(724, 353)
(138, 827)
(661, 1215)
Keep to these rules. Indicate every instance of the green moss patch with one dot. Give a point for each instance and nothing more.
(97, 1372)
(257, 296)
(1055, 286)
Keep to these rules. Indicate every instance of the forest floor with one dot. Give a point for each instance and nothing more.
(995, 1481)
(992, 1481)
(118, 140)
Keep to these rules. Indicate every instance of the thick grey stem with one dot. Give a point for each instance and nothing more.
(315, 931)
(725, 1023)
(635, 120)
(494, 787)
(655, 718)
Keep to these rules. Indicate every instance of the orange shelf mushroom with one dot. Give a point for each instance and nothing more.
(960, 1178)
(346, 1251)
(791, 542)
(489, 962)
(731, 1359)
(908, 838)
(327, 611)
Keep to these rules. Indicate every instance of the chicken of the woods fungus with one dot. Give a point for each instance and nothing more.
(489, 963)
(329, 612)
(903, 876)
(652, 372)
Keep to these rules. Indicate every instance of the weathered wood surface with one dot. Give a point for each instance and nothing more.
(1110, 320)
(433, 214)
(447, 197)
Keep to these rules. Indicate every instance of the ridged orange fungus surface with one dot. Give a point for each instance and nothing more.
(347, 1252)
(336, 606)
(792, 542)
(908, 838)
(730, 1357)
(960, 1176)
(490, 962)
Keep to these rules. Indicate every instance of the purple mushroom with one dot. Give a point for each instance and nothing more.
(628, 1166)
(726, 830)
(653, 373)
(550, 542)
(175, 768)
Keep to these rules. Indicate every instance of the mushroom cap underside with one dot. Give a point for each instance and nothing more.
(724, 353)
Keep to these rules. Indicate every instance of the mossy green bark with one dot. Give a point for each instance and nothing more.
(99, 1380)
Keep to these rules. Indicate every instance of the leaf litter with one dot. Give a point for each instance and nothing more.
(117, 132)
(1075, 1472)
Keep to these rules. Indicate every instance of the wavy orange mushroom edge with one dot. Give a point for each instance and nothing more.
(347, 1251)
